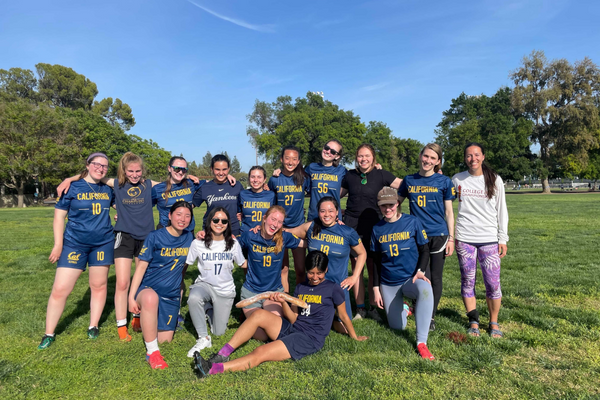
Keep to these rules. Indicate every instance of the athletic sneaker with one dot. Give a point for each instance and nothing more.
(201, 365)
(202, 343)
(93, 333)
(156, 360)
(432, 325)
(374, 315)
(361, 313)
(124, 336)
(180, 322)
(47, 341)
(424, 352)
(409, 310)
(135, 323)
(217, 358)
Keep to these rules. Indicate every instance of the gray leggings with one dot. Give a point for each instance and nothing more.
(203, 297)
(393, 301)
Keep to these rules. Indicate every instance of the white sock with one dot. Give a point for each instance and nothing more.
(152, 346)
(121, 322)
(92, 327)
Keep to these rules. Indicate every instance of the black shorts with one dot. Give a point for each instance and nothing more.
(437, 244)
(298, 343)
(126, 246)
(364, 228)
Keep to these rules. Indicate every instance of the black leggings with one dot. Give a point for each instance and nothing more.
(435, 269)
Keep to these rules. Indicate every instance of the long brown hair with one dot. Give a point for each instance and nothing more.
(336, 162)
(227, 235)
(127, 159)
(489, 174)
(278, 236)
(438, 150)
(168, 180)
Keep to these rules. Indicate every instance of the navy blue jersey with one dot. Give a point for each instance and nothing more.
(264, 265)
(324, 181)
(223, 195)
(180, 191)
(253, 206)
(315, 321)
(335, 241)
(134, 208)
(290, 197)
(88, 211)
(426, 196)
(166, 256)
(398, 244)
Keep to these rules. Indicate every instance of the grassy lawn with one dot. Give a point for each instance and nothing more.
(550, 317)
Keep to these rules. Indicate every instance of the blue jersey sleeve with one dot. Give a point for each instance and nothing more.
(420, 234)
(449, 190)
(197, 199)
(290, 241)
(64, 202)
(353, 239)
(148, 248)
(337, 295)
(403, 190)
(271, 185)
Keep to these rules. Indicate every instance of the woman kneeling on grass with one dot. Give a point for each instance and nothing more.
(155, 287)
(213, 292)
(399, 244)
(297, 335)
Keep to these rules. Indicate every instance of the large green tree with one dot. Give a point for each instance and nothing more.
(116, 113)
(561, 99)
(308, 124)
(492, 122)
(36, 141)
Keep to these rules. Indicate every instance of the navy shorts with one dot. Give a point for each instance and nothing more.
(126, 246)
(168, 310)
(298, 343)
(79, 256)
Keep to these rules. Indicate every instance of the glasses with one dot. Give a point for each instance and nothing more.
(364, 178)
(99, 166)
(179, 169)
(223, 221)
(330, 150)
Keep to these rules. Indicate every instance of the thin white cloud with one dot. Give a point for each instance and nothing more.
(375, 87)
(243, 24)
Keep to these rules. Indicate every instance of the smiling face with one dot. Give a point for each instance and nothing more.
(315, 277)
(290, 161)
(257, 179)
(177, 175)
(219, 227)
(328, 213)
(429, 160)
(180, 218)
(326, 154)
(474, 159)
(133, 172)
(220, 170)
(272, 223)
(389, 211)
(97, 168)
(365, 159)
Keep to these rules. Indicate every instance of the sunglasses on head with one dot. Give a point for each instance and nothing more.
(330, 150)
(364, 178)
(223, 221)
(180, 169)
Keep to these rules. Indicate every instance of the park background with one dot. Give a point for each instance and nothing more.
(198, 78)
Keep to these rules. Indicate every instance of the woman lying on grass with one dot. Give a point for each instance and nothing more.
(295, 336)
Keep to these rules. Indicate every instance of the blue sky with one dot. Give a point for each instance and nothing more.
(191, 70)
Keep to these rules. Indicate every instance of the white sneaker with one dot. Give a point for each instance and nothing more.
(202, 343)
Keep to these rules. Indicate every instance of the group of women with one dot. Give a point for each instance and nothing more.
(254, 228)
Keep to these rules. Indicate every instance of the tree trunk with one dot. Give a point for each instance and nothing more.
(20, 196)
(545, 186)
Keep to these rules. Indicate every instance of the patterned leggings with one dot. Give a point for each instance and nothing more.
(489, 260)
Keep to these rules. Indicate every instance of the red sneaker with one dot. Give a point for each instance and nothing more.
(156, 361)
(424, 352)
(135, 324)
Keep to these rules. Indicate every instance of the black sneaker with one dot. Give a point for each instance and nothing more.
(432, 325)
(361, 313)
(217, 358)
(201, 366)
(93, 333)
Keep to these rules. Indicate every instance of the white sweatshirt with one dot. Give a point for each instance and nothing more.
(479, 219)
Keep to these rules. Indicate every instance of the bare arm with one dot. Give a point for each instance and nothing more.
(291, 314)
(66, 184)
(343, 192)
(396, 183)
(341, 309)
(58, 226)
(401, 199)
(360, 264)
(299, 231)
(450, 224)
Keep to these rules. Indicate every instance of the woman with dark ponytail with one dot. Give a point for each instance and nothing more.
(481, 234)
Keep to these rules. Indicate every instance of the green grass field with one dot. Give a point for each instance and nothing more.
(550, 317)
